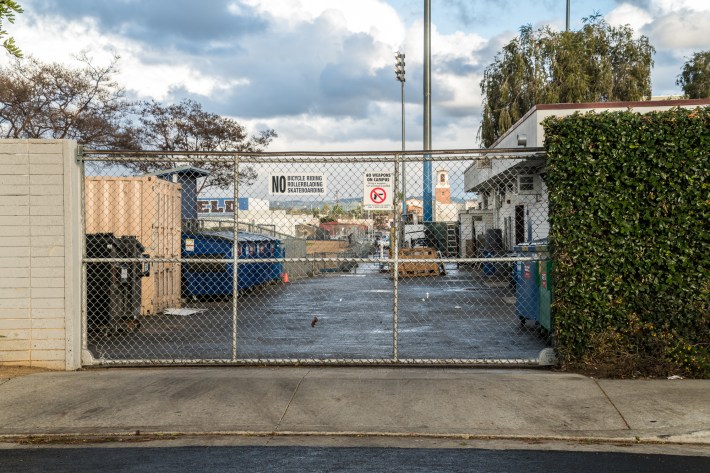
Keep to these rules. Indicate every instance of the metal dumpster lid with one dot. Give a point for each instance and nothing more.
(243, 236)
(532, 247)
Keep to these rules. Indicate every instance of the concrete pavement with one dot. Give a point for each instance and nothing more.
(460, 403)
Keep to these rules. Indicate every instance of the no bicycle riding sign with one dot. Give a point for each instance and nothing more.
(377, 190)
(297, 184)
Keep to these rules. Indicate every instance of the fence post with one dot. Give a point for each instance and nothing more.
(235, 258)
(394, 244)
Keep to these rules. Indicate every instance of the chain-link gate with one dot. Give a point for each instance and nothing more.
(316, 258)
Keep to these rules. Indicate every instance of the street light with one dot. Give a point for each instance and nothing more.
(399, 72)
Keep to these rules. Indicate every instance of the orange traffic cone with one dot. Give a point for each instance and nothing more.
(285, 277)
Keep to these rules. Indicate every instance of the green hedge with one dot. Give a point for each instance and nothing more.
(629, 224)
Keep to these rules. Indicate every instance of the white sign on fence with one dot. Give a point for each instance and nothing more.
(297, 184)
(378, 189)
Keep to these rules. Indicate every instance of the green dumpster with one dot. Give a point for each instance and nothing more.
(545, 287)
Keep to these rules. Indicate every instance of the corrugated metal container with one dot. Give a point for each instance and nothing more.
(148, 208)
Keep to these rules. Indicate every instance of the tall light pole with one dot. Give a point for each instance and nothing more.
(399, 72)
(567, 22)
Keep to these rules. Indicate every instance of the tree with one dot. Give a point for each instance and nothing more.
(39, 100)
(8, 8)
(356, 212)
(695, 76)
(598, 63)
(185, 126)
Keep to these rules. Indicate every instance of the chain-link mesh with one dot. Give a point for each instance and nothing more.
(316, 259)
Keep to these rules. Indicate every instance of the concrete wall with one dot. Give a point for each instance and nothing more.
(40, 235)
(296, 248)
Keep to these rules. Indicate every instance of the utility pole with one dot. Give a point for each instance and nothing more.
(427, 210)
(567, 23)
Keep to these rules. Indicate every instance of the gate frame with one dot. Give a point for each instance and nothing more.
(397, 158)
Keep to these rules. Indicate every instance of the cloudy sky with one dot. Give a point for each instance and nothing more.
(320, 72)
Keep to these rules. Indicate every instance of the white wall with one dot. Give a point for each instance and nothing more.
(40, 234)
(278, 220)
(447, 212)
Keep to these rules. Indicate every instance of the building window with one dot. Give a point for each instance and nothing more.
(526, 183)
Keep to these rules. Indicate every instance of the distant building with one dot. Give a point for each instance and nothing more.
(443, 188)
(471, 204)
(311, 232)
(415, 207)
(444, 209)
(343, 231)
(255, 215)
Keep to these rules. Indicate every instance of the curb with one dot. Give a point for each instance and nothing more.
(694, 438)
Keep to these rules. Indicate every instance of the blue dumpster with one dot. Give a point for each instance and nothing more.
(489, 269)
(527, 281)
(214, 279)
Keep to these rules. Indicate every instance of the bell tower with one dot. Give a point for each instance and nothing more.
(443, 189)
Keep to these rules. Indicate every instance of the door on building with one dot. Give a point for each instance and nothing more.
(519, 224)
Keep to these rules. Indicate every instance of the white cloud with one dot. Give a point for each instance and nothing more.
(312, 132)
(626, 14)
(40, 36)
(147, 73)
(445, 47)
(669, 6)
(157, 80)
(465, 92)
(680, 30)
(372, 17)
(667, 23)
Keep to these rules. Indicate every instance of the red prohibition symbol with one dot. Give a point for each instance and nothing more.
(378, 195)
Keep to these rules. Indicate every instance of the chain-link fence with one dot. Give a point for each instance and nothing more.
(339, 258)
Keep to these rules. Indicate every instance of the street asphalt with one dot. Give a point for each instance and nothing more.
(454, 403)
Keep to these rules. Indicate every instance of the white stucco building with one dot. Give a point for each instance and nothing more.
(512, 193)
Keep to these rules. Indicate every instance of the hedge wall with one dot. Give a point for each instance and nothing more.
(630, 222)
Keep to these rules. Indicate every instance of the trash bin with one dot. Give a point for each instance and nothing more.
(492, 247)
(545, 280)
(113, 289)
(527, 281)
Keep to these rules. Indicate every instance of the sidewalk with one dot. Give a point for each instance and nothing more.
(466, 403)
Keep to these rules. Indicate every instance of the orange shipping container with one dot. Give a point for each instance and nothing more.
(147, 208)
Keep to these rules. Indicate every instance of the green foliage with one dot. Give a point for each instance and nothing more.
(695, 76)
(598, 63)
(8, 8)
(630, 224)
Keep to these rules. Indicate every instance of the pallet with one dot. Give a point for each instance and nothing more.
(417, 253)
(415, 270)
